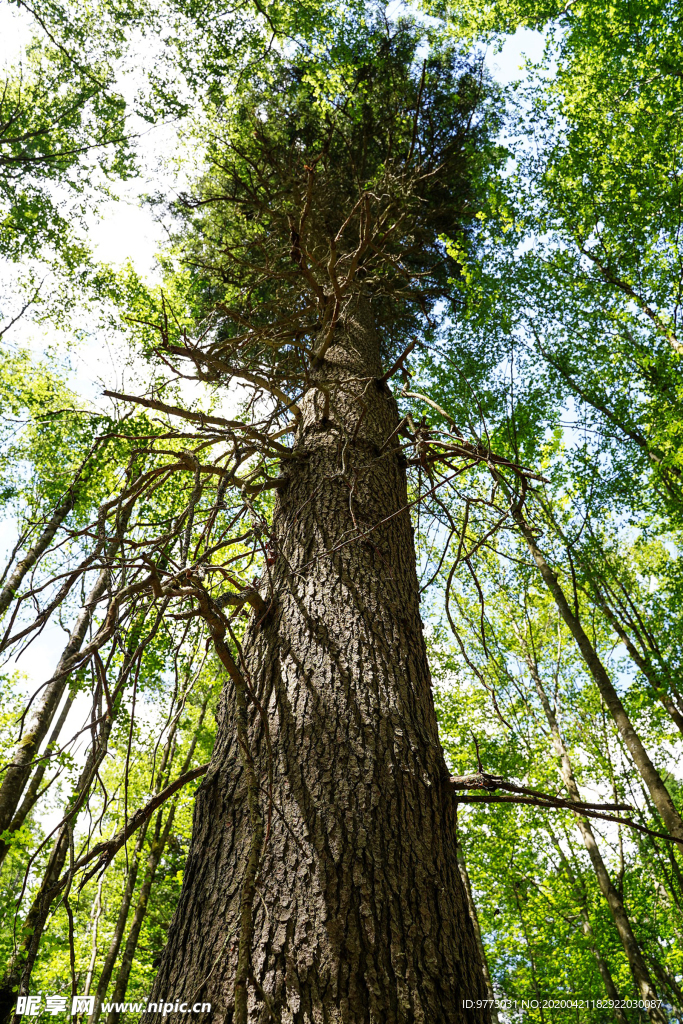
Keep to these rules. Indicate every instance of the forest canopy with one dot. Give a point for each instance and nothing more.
(342, 672)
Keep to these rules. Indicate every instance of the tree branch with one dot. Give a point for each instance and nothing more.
(532, 797)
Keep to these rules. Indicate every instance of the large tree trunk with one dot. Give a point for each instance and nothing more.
(359, 913)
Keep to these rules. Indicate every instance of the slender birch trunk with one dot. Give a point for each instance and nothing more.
(641, 975)
(653, 780)
(97, 914)
(668, 982)
(637, 658)
(462, 867)
(603, 967)
(530, 951)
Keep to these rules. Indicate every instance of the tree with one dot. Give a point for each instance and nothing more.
(313, 239)
(311, 255)
(577, 275)
(570, 343)
(571, 910)
(62, 118)
(66, 134)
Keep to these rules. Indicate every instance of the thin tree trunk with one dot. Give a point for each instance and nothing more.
(655, 455)
(611, 990)
(43, 711)
(660, 795)
(603, 967)
(33, 790)
(641, 975)
(668, 982)
(155, 854)
(332, 894)
(637, 657)
(33, 554)
(97, 913)
(119, 928)
(127, 898)
(532, 963)
(462, 867)
(18, 974)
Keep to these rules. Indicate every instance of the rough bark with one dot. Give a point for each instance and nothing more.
(359, 913)
(651, 777)
(639, 971)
